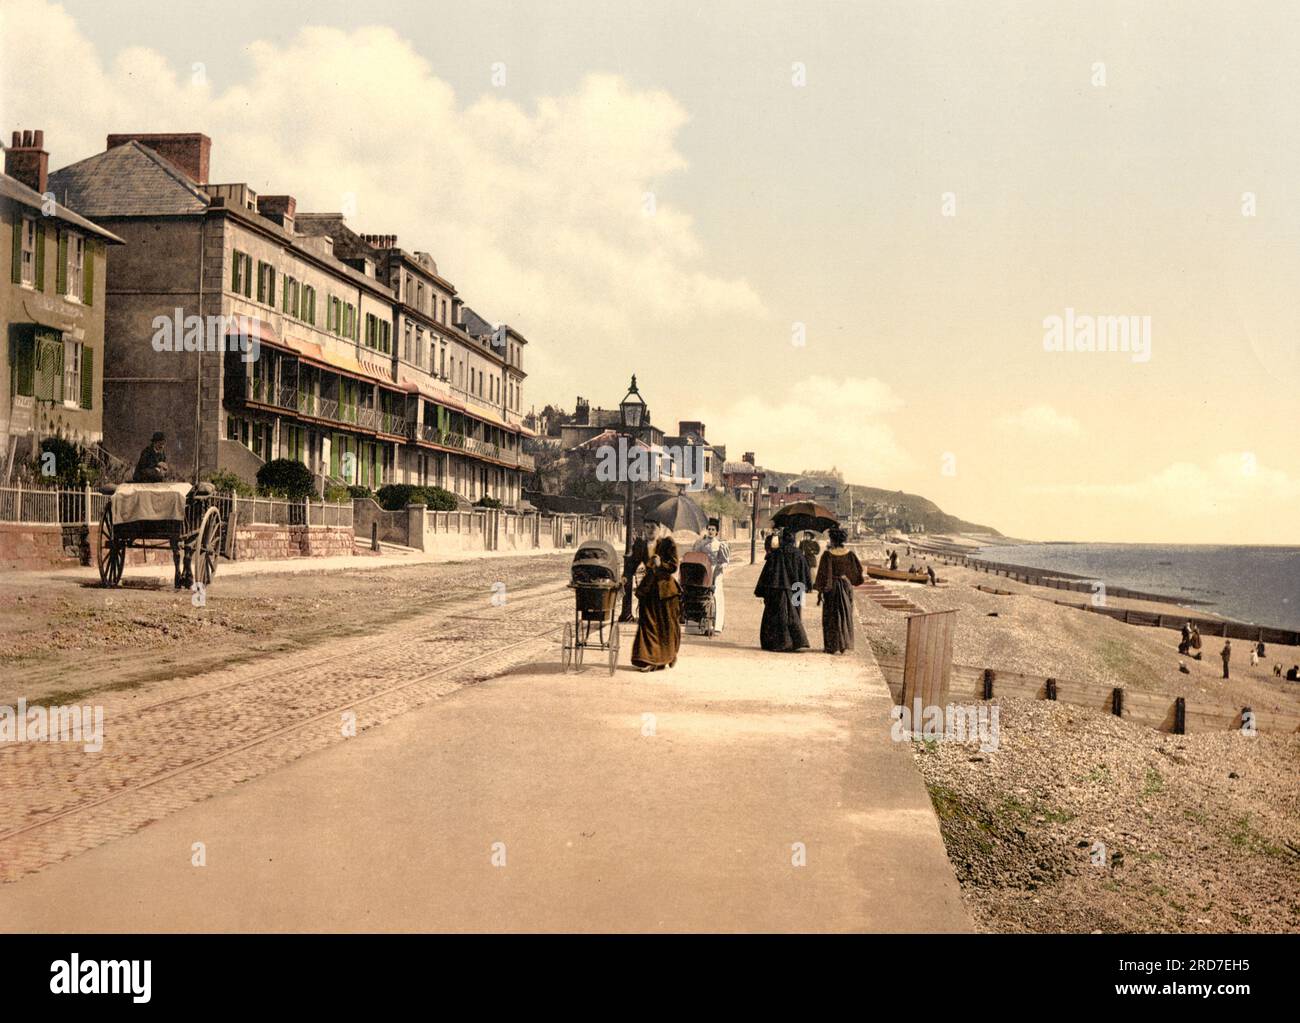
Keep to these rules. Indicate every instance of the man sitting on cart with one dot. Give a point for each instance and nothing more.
(152, 466)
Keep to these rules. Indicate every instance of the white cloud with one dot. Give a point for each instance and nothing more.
(537, 215)
(1041, 421)
(819, 422)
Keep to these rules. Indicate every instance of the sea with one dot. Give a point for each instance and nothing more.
(1260, 585)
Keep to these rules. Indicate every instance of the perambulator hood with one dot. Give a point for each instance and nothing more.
(596, 561)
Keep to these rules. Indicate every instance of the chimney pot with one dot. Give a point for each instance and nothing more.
(27, 161)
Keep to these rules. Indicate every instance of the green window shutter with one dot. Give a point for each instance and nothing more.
(61, 271)
(40, 256)
(24, 364)
(16, 270)
(234, 273)
(87, 377)
(284, 301)
(88, 274)
(261, 282)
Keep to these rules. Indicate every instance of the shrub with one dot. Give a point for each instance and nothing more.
(66, 462)
(286, 477)
(358, 491)
(228, 482)
(437, 499)
(487, 502)
(336, 493)
(396, 496)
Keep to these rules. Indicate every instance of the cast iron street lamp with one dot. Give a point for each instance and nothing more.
(631, 412)
(753, 521)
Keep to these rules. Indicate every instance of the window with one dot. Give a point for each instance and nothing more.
(372, 331)
(265, 283)
(27, 254)
(444, 310)
(308, 305)
(442, 362)
(291, 297)
(76, 263)
(406, 342)
(71, 373)
(232, 428)
(419, 297)
(241, 274)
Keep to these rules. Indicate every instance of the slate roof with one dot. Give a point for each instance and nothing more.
(474, 325)
(12, 188)
(125, 181)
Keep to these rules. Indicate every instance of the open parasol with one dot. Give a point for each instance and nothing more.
(801, 515)
(677, 513)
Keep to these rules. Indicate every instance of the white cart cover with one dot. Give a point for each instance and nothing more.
(137, 502)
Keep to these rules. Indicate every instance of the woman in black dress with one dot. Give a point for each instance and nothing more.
(783, 585)
(837, 574)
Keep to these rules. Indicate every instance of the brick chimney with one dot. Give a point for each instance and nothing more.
(187, 150)
(27, 160)
(279, 209)
(749, 457)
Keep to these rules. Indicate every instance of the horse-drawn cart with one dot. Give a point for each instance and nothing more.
(179, 517)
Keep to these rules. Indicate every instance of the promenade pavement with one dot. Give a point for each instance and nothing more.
(739, 791)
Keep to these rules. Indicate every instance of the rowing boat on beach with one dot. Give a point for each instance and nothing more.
(881, 572)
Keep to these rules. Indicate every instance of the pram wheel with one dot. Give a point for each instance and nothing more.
(566, 647)
(613, 648)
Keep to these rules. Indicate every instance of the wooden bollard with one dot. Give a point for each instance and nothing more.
(374, 536)
(1117, 701)
(1180, 716)
(1051, 689)
(988, 683)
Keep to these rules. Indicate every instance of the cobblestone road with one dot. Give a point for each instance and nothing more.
(167, 746)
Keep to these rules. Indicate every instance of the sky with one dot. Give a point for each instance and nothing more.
(837, 233)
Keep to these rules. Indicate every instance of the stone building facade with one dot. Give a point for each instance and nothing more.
(297, 349)
(52, 302)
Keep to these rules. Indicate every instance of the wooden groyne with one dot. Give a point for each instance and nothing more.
(1081, 584)
(969, 683)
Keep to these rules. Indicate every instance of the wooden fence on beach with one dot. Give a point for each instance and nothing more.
(1062, 581)
(968, 683)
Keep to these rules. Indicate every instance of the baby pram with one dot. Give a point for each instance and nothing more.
(697, 591)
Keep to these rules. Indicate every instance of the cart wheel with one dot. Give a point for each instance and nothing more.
(613, 648)
(207, 543)
(566, 647)
(581, 636)
(112, 550)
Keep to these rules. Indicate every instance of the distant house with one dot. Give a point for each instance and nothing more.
(51, 311)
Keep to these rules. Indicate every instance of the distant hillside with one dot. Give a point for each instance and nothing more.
(915, 507)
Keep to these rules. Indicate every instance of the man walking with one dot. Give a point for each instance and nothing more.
(1226, 654)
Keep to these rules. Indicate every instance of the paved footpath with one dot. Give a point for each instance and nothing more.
(680, 800)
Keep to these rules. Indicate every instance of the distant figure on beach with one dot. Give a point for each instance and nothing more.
(1294, 674)
(934, 579)
(811, 549)
(1196, 642)
(1226, 654)
(1187, 639)
(1259, 649)
(893, 560)
(783, 584)
(837, 574)
(1254, 657)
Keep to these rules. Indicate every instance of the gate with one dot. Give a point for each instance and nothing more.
(927, 663)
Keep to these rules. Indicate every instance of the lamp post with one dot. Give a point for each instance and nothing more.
(631, 413)
(753, 521)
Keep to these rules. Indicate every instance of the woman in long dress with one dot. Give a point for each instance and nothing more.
(719, 554)
(837, 573)
(783, 584)
(659, 610)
